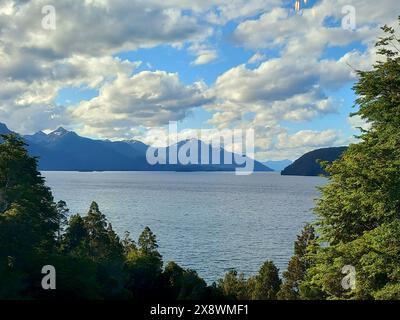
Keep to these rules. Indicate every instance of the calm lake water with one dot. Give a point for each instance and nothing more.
(210, 222)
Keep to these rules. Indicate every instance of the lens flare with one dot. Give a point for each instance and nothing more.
(297, 4)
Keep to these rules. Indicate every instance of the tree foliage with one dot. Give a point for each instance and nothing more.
(298, 264)
(263, 286)
(359, 209)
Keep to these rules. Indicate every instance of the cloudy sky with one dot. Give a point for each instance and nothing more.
(122, 69)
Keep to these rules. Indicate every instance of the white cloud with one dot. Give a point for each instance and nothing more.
(276, 90)
(257, 57)
(283, 145)
(295, 85)
(98, 27)
(307, 138)
(204, 51)
(205, 58)
(280, 27)
(357, 122)
(147, 98)
(27, 102)
(36, 63)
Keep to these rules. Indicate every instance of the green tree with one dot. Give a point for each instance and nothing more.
(298, 264)
(234, 286)
(184, 284)
(102, 241)
(26, 204)
(128, 244)
(359, 208)
(76, 237)
(93, 238)
(62, 217)
(144, 267)
(148, 242)
(28, 219)
(266, 284)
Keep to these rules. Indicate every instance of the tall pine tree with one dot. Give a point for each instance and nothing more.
(360, 207)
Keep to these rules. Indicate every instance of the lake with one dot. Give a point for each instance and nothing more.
(210, 222)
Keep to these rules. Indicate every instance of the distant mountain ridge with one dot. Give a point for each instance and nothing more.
(63, 150)
(4, 129)
(278, 165)
(307, 165)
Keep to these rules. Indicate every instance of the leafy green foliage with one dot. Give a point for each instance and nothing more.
(234, 286)
(263, 286)
(298, 264)
(28, 219)
(25, 202)
(266, 284)
(185, 284)
(62, 217)
(359, 209)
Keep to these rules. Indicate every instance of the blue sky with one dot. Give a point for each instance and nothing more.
(124, 69)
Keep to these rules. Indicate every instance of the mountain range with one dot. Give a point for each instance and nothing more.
(63, 150)
(278, 165)
(308, 164)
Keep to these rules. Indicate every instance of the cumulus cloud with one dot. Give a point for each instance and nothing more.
(204, 51)
(27, 101)
(98, 27)
(309, 138)
(257, 57)
(205, 57)
(279, 26)
(147, 98)
(283, 144)
(36, 63)
(274, 91)
(294, 86)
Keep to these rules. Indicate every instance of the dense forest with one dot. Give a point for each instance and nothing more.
(358, 225)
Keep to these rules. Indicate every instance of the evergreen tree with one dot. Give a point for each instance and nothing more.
(234, 286)
(184, 284)
(297, 265)
(26, 204)
(147, 242)
(76, 236)
(102, 241)
(93, 238)
(28, 219)
(359, 208)
(128, 244)
(144, 267)
(62, 217)
(266, 284)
